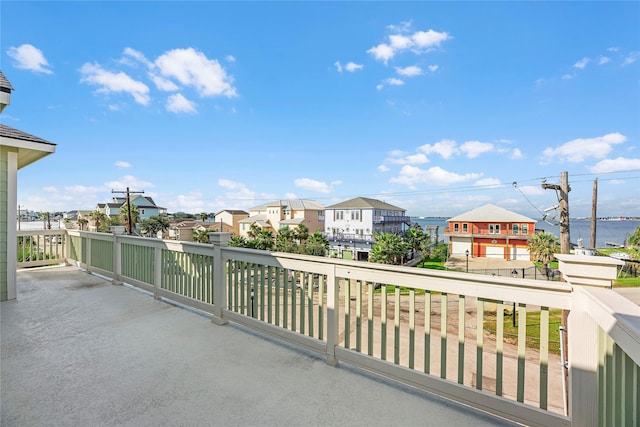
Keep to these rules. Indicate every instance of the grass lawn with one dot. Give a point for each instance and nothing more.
(533, 329)
(627, 282)
(432, 264)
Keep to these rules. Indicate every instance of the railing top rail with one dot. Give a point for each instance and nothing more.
(20, 233)
(536, 292)
(618, 316)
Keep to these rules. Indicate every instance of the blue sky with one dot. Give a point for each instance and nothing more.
(436, 107)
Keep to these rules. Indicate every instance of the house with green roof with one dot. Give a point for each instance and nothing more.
(18, 149)
(350, 225)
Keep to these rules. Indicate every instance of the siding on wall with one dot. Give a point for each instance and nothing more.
(4, 169)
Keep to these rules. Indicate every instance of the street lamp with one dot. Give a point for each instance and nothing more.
(467, 254)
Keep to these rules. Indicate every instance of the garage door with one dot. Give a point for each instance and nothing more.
(495, 252)
(459, 248)
(520, 254)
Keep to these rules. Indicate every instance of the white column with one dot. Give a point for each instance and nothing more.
(12, 242)
(219, 277)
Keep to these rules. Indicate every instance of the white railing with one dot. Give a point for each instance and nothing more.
(444, 332)
(40, 247)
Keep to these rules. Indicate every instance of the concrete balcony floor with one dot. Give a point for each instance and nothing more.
(80, 351)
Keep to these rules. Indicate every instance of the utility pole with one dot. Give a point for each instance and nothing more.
(563, 198)
(128, 193)
(562, 191)
(594, 214)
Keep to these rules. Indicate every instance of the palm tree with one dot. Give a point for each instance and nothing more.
(254, 230)
(238, 242)
(415, 237)
(82, 222)
(543, 247)
(124, 215)
(201, 236)
(284, 240)
(100, 220)
(204, 216)
(317, 244)
(301, 233)
(388, 249)
(264, 240)
(152, 226)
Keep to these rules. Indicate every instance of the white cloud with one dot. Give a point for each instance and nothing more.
(237, 194)
(516, 154)
(567, 77)
(474, 148)
(532, 190)
(136, 55)
(400, 158)
(130, 181)
(394, 82)
(192, 68)
(177, 103)
(578, 150)
(433, 68)
(338, 66)
(313, 185)
(382, 52)
(631, 58)
(488, 182)
(412, 175)
(429, 39)
(383, 168)
(613, 49)
(410, 71)
(230, 58)
(122, 165)
(603, 60)
(379, 86)
(619, 164)
(418, 42)
(162, 83)
(582, 63)
(29, 57)
(353, 67)
(109, 82)
(445, 148)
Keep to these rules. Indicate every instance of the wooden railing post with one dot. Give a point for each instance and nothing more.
(583, 363)
(219, 240)
(88, 254)
(157, 270)
(333, 321)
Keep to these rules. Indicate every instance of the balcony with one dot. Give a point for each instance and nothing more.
(351, 237)
(105, 354)
(487, 235)
(386, 219)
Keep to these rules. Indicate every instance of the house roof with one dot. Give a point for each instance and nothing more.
(292, 221)
(491, 213)
(364, 202)
(234, 212)
(293, 204)
(5, 85)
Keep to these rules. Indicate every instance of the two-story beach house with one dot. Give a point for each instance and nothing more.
(490, 231)
(350, 225)
(145, 204)
(279, 213)
(17, 150)
(230, 218)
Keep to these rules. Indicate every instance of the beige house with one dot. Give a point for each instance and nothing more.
(185, 229)
(230, 218)
(279, 213)
(17, 150)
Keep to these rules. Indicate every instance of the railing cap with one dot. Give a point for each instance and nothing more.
(588, 270)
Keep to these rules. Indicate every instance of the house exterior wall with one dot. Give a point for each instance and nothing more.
(230, 221)
(507, 240)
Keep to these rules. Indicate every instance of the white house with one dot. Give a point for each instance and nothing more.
(350, 225)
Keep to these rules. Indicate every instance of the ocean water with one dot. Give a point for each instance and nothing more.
(606, 231)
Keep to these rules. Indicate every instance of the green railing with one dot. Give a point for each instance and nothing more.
(449, 333)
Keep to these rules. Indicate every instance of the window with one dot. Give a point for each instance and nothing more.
(465, 228)
(525, 229)
(514, 229)
(456, 227)
(494, 228)
(338, 215)
(355, 215)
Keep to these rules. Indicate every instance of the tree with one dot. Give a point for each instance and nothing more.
(254, 230)
(301, 233)
(152, 226)
(264, 240)
(284, 240)
(100, 220)
(542, 247)
(317, 244)
(201, 236)
(204, 216)
(238, 242)
(439, 252)
(124, 216)
(388, 249)
(415, 237)
(634, 239)
(82, 222)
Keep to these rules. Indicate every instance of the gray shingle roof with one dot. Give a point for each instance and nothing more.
(9, 132)
(364, 202)
(4, 83)
(490, 213)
